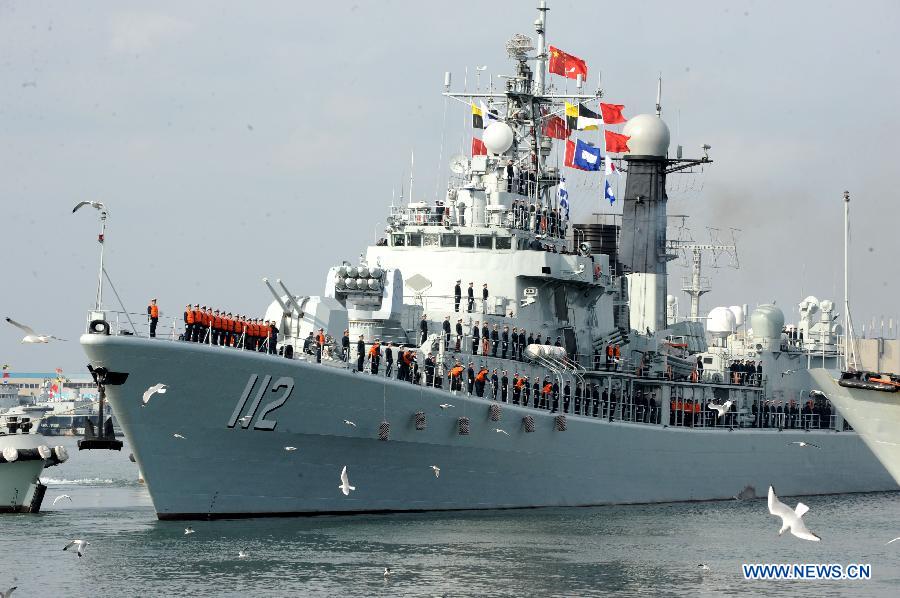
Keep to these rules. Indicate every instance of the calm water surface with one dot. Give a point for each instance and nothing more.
(633, 550)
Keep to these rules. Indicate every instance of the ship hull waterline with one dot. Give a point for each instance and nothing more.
(221, 471)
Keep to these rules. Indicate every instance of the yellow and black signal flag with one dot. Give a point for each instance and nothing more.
(477, 117)
(581, 118)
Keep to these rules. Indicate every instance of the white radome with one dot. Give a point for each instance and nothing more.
(497, 137)
(767, 321)
(649, 135)
(720, 322)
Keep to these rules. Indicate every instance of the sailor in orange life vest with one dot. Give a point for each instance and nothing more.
(153, 315)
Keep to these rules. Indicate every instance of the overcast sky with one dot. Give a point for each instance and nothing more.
(234, 141)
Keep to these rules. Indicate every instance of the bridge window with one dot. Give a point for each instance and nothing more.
(399, 240)
(432, 240)
(504, 243)
(483, 242)
(467, 241)
(414, 240)
(448, 240)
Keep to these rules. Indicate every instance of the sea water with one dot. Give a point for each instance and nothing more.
(630, 550)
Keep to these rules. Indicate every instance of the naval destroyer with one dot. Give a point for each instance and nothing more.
(618, 404)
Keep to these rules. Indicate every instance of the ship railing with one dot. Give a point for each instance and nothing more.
(485, 217)
(123, 323)
(445, 305)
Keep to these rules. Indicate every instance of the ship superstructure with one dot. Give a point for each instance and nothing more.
(558, 381)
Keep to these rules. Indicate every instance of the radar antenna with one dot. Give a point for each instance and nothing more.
(697, 285)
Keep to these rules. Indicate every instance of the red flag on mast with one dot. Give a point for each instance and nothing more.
(478, 147)
(556, 128)
(616, 142)
(612, 113)
(563, 63)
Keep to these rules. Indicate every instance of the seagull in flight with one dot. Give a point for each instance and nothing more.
(8, 592)
(791, 519)
(31, 336)
(156, 388)
(704, 567)
(60, 497)
(436, 470)
(721, 409)
(188, 531)
(178, 436)
(242, 554)
(349, 423)
(445, 405)
(345, 483)
(800, 443)
(387, 572)
(94, 204)
(894, 540)
(290, 448)
(500, 431)
(79, 546)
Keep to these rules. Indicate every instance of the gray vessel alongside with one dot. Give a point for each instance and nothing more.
(247, 433)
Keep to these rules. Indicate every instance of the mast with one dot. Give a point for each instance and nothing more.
(849, 345)
(540, 62)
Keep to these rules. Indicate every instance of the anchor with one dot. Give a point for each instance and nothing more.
(103, 437)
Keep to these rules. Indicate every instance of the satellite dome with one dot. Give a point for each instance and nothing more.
(767, 322)
(649, 135)
(498, 137)
(720, 322)
(738, 312)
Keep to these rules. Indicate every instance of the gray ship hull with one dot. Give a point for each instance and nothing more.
(218, 470)
(874, 415)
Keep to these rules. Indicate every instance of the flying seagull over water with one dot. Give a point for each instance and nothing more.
(290, 448)
(156, 388)
(31, 336)
(345, 483)
(704, 567)
(8, 592)
(94, 204)
(894, 540)
(436, 470)
(445, 405)
(178, 436)
(188, 530)
(804, 444)
(349, 423)
(60, 497)
(242, 554)
(721, 409)
(791, 519)
(499, 431)
(79, 544)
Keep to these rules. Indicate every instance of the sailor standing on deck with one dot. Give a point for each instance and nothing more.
(459, 335)
(476, 333)
(504, 341)
(375, 356)
(457, 295)
(188, 322)
(360, 353)
(345, 346)
(484, 298)
(423, 329)
(388, 360)
(470, 305)
(320, 344)
(446, 329)
(273, 340)
(153, 315)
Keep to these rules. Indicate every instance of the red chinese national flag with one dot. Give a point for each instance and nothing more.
(562, 63)
(616, 142)
(478, 147)
(612, 113)
(556, 128)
